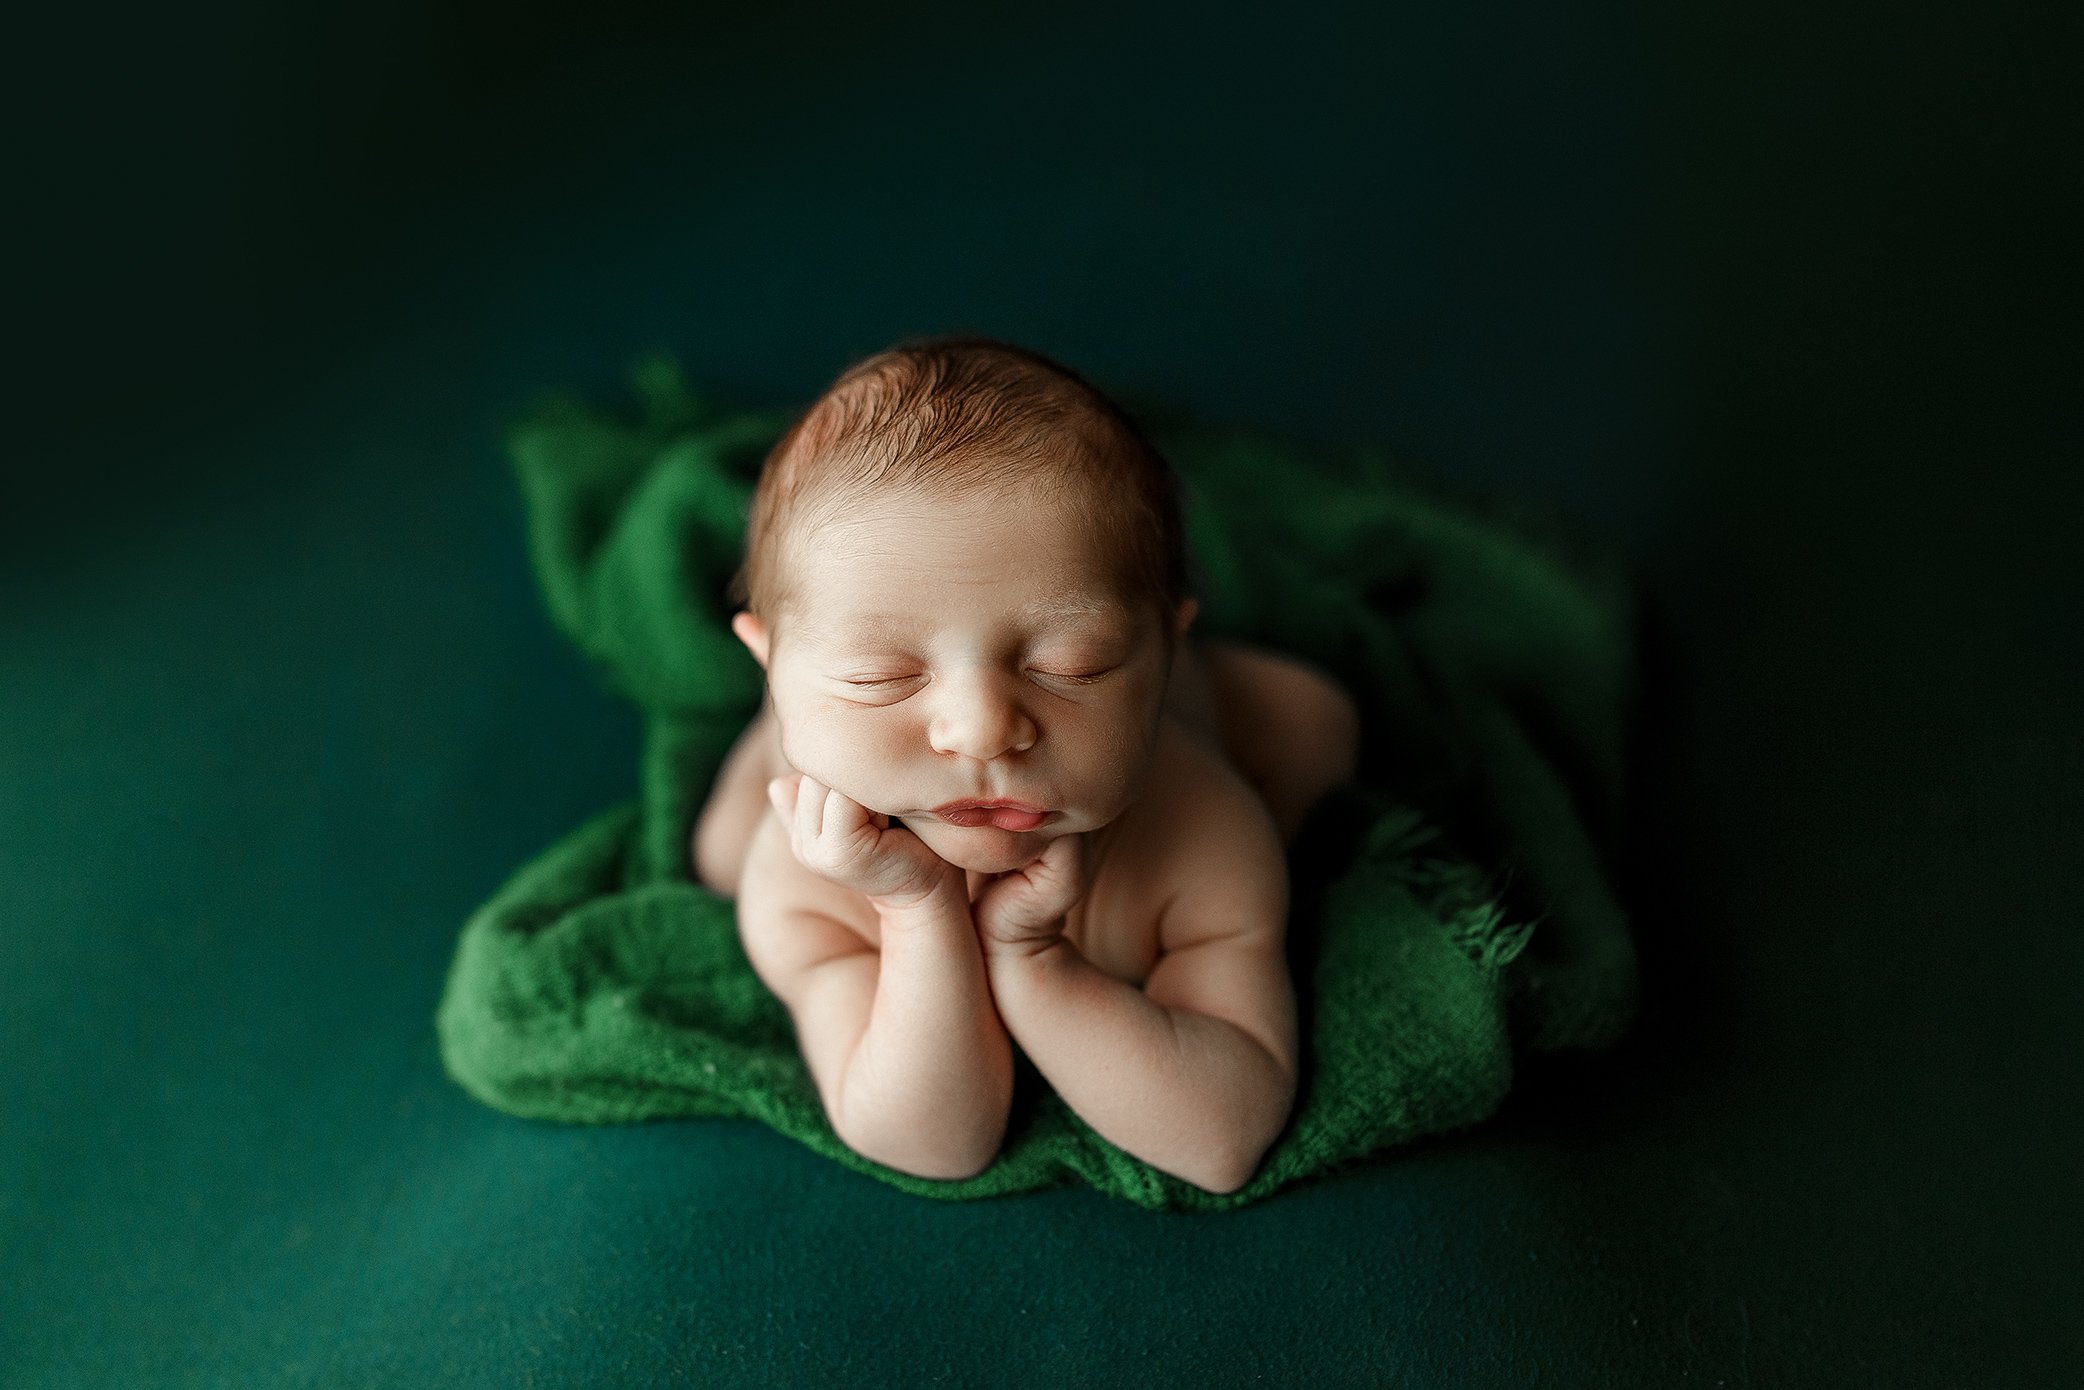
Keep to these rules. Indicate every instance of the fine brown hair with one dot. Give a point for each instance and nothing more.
(956, 416)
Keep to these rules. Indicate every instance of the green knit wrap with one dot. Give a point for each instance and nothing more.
(1454, 906)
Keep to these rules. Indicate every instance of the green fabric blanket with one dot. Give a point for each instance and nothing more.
(1451, 908)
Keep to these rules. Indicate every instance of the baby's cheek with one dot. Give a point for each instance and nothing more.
(1120, 769)
(858, 764)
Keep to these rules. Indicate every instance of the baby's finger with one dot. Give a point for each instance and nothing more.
(810, 807)
(847, 816)
(780, 797)
(796, 801)
(846, 819)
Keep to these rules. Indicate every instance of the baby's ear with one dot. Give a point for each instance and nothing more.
(751, 631)
(1187, 609)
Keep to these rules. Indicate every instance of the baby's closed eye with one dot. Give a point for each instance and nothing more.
(1077, 677)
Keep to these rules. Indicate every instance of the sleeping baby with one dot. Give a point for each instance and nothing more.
(995, 793)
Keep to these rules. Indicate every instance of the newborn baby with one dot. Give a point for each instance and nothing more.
(994, 792)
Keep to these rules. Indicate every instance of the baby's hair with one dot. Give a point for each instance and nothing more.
(958, 416)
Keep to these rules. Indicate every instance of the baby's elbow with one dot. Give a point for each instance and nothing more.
(1231, 1177)
(963, 1172)
(1243, 1163)
(1227, 1173)
(1223, 1187)
(940, 1163)
(959, 1171)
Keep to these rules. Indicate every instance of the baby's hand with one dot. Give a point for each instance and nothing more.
(1022, 912)
(838, 838)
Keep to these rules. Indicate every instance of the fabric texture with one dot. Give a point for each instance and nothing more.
(1451, 909)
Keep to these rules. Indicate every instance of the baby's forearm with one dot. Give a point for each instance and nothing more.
(1186, 1092)
(930, 1083)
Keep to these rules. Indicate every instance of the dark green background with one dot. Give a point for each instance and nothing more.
(1766, 296)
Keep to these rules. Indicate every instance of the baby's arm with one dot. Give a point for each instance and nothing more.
(911, 1063)
(1194, 1074)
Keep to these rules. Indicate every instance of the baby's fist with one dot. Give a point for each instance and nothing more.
(1022, 912)
(839, 839)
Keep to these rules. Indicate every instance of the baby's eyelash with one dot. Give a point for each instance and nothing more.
(1083, 678)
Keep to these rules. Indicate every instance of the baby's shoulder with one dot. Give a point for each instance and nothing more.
(1201, 835)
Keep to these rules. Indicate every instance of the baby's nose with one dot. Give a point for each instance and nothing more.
(980, 719)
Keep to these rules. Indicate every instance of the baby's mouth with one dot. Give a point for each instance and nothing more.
(1002, 817)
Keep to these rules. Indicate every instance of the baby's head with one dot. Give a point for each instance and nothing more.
(965, 575)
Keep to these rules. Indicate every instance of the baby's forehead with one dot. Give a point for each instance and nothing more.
(1076, 613)
(835, 621)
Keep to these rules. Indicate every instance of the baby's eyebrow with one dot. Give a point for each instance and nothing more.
(1052, 612)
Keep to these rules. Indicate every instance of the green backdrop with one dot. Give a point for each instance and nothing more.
(1760, 294)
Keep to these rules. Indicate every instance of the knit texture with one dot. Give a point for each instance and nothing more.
(1452, 908)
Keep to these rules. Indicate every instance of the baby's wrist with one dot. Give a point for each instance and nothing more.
(946, 905)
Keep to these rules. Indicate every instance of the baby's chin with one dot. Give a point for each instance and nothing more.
(986, 849)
